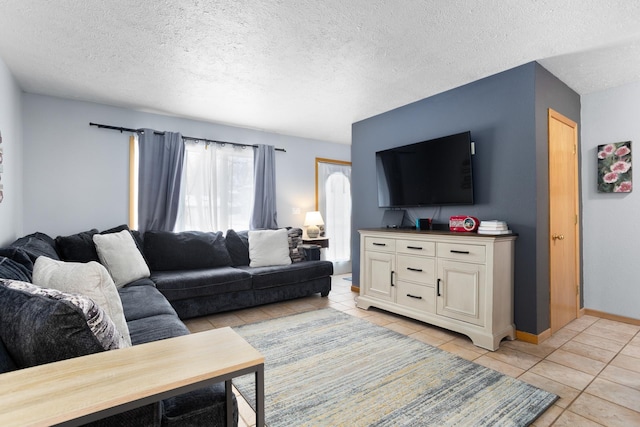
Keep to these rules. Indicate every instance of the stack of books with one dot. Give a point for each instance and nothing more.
(493, 227)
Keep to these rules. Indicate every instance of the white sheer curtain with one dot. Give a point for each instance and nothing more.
(217, 187)
(334, 203)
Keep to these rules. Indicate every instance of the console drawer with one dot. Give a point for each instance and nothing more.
(415, 296)
(379, 244)
(416, 247)
(462, 252)
(416, 269)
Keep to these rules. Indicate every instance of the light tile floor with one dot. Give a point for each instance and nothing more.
(593, 364)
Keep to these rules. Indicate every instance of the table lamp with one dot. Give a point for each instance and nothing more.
(312, 220)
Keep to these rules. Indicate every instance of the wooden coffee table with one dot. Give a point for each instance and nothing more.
(84, 389)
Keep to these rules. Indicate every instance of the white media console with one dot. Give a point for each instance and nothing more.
(459, 281)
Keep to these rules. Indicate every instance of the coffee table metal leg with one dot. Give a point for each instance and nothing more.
(260, 396)
(229, 393)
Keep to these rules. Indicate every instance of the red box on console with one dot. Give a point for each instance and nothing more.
(463, 223)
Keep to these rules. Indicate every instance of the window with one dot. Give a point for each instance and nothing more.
(217, 187)
(333, 193)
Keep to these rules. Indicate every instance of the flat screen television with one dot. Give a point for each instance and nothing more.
(428, 173)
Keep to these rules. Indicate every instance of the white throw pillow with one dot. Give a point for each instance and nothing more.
(122, 258)
(268, 247)
(89, 279)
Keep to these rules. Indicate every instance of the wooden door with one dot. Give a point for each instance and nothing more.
(563, 220)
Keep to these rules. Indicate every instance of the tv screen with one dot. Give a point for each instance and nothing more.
(428, 173)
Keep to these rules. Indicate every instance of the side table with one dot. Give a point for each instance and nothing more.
(323, 242)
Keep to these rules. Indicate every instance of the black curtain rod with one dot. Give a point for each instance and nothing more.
(190, 138)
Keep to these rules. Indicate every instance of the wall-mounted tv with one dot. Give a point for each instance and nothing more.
(429, 173)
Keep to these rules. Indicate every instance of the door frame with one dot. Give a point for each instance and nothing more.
(554, 115)
(331, 161)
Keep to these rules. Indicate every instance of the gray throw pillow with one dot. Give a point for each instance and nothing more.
(268, 248)
(89, 279)
(120, 255)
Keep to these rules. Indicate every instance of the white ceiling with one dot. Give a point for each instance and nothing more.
(307, 68)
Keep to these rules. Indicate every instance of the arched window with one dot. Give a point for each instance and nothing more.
(333, 200)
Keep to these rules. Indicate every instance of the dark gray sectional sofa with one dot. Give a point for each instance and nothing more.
(192, 274)
(198, 285)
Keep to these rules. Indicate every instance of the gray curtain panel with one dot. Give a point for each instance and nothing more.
(159, 174)
(264, 213)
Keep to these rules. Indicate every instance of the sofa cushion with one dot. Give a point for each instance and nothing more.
(10, 269)
(89, 279)
(41, 326)
(6, 362)
(154, 302)
(238, 247)
(204, 406)
(177, 285)
(155, 328)
(186, 250)
(271, 277)
(122, 258)
(268, 247)
(35, 245)
(78, 247)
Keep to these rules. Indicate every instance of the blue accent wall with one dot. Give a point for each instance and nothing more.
(550, 93)
(503, 113)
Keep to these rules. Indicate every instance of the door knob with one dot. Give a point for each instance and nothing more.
(557, 237)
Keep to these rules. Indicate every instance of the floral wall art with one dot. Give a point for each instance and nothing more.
(614, 168)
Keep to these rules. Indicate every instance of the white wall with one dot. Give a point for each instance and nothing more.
(76, 176)
(11, 177)
(611, 233)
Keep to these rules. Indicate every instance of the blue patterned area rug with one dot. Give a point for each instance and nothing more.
(327, 368)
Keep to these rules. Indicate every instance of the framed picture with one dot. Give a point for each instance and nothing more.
(614, 168)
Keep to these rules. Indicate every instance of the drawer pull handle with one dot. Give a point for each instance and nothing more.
(413, 296)
(379, 244)
(418, 248)
(453, 251)
(419, 270)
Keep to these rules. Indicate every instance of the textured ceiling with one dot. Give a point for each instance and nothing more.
(308, 68)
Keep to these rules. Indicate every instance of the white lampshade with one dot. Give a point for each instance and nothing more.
(312, 220)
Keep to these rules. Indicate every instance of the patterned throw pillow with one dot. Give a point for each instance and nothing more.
(41, 325)
(295, 245)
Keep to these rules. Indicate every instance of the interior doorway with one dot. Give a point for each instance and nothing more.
(333, 201)
(564, 230)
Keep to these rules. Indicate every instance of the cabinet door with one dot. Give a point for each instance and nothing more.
(379, 268)
(461, 291)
